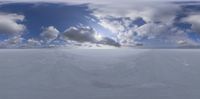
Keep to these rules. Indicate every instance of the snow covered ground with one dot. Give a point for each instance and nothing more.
(99, 74)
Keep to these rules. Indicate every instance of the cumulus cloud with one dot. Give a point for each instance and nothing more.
(182, 42)
(187, 43)
(151, 30)
(149, 11)
(9, 24)
(179, 38)
(87, 34)
(50, 33)
(194, 21)
(82, 34)
(158, 19)
(33, 42)
(109, 41)
(20, 42)
(12, 42)
(129, 22)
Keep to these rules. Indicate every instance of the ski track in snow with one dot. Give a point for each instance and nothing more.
(99, 74)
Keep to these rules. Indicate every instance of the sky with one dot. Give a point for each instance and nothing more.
(99, 23)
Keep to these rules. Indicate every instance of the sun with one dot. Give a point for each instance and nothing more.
(98, 37)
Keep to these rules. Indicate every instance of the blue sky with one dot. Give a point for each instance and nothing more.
(87, 24)
(47, 14)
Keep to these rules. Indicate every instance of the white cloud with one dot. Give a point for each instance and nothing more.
(33, 42)
(181, 42)
(81, 34)
(87, 35)
(12, 42)
(151, 11)
(186, 43)
(95, 1)
(9, 24)
(194, 20)
(50, 33)
(119, 19)
(151, 30)
(114, 25)
(180, 38)
(118, 16)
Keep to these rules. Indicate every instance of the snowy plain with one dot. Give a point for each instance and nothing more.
(99, 74)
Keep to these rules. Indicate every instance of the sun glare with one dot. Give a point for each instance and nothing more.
(98, 37)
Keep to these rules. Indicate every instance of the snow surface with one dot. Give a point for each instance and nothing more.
(99, 74)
